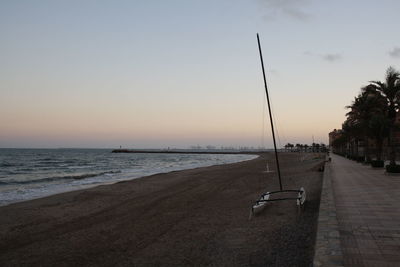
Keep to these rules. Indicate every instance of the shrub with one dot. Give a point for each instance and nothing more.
(393, 168)
(377, 163)
(360, 159)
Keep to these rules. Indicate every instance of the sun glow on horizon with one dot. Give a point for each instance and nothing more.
(143, 74)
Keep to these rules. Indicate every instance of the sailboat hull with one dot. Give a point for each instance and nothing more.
(259, 206)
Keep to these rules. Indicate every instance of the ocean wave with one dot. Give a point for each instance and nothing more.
(8, 164)
(57, 178)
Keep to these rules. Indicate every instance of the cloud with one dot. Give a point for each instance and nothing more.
(289, 8)
(331, 57)
(395, 52)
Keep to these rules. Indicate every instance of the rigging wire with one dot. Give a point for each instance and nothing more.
(278, 127)
(280, 133)
(263, 123)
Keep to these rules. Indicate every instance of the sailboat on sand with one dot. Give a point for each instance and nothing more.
(288, 194)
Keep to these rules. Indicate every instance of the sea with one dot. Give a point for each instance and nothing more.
(33, 173)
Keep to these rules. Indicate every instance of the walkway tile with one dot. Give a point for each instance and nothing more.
(368, 213)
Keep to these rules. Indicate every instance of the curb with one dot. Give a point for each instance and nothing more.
(328, 251)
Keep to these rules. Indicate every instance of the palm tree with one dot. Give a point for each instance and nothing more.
(323, 147)
(378, 124)
(355, 123)
(340, 143)
(351, 133)
(378, 130)
(317, 147)
(298, 147)
(291, 147)
(367, 105)
(287, 146)
(305, 147)
(390, 89)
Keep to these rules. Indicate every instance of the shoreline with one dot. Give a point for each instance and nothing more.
(190, 217)
(65, 189)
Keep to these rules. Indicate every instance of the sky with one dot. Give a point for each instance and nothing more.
(178, 73)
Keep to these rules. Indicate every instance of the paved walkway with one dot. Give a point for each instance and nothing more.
(368, 213)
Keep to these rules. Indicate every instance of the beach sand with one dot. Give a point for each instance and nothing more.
(197, 217)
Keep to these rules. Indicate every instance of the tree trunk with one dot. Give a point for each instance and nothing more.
(367, 157)
(392, 146)
(348, 148)
(379, 145)
(356, 148)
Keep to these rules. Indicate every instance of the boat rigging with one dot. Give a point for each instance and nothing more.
(299, 195)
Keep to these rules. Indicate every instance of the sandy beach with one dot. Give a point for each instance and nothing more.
(197, 217)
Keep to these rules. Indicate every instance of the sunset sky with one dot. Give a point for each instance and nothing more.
(156, 74)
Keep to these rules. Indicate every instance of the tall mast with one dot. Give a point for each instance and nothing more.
(270, 115)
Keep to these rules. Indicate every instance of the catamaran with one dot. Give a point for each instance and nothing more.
(288, 194)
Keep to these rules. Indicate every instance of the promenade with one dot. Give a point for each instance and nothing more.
(367, 205)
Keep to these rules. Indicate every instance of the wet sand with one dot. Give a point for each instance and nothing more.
(197, 217)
